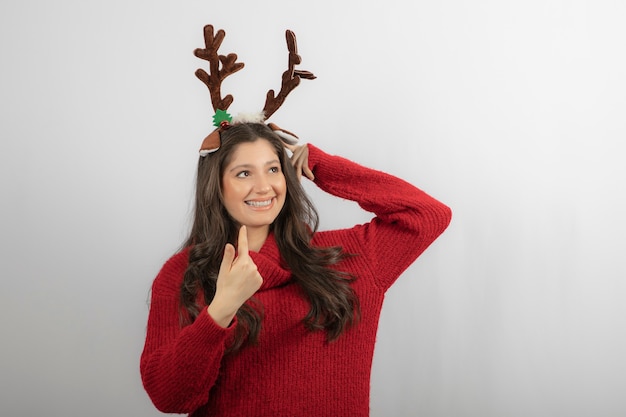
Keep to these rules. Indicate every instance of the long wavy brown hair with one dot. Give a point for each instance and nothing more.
(334, 305)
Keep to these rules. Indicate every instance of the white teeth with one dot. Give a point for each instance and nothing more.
(259, 203)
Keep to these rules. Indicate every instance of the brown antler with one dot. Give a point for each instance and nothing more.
(229, 66)
(291, 78)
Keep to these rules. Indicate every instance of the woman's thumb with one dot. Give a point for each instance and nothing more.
(229, 257)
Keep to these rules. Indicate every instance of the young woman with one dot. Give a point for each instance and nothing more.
(261, 314)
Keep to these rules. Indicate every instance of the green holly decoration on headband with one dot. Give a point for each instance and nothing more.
(220, 117)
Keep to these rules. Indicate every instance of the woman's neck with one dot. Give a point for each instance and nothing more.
(257, 237)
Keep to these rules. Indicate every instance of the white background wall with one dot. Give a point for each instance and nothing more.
(510, 111)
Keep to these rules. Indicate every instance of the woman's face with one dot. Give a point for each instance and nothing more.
(253, 185)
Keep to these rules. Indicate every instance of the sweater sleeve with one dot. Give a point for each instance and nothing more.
(179, 365)
(406, 222)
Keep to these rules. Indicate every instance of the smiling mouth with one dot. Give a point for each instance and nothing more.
(264, 203)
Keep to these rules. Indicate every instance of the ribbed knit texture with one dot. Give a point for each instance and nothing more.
(292, 372)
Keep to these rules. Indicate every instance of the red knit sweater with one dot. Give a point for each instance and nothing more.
(292, 372)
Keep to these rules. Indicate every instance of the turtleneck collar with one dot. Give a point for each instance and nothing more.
(270, 264)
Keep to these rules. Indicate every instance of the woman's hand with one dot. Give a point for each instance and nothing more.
(238, 279)
(300, 160)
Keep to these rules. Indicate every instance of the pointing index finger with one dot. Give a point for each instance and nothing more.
(242, 243)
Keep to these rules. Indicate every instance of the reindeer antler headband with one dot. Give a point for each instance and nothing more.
(217, 73)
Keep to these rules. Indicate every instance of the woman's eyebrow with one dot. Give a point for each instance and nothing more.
(248, 166)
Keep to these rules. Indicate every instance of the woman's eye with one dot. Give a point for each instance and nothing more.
(243, 174)
(274, 170)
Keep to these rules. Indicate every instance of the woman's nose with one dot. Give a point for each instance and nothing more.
(262, 185)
